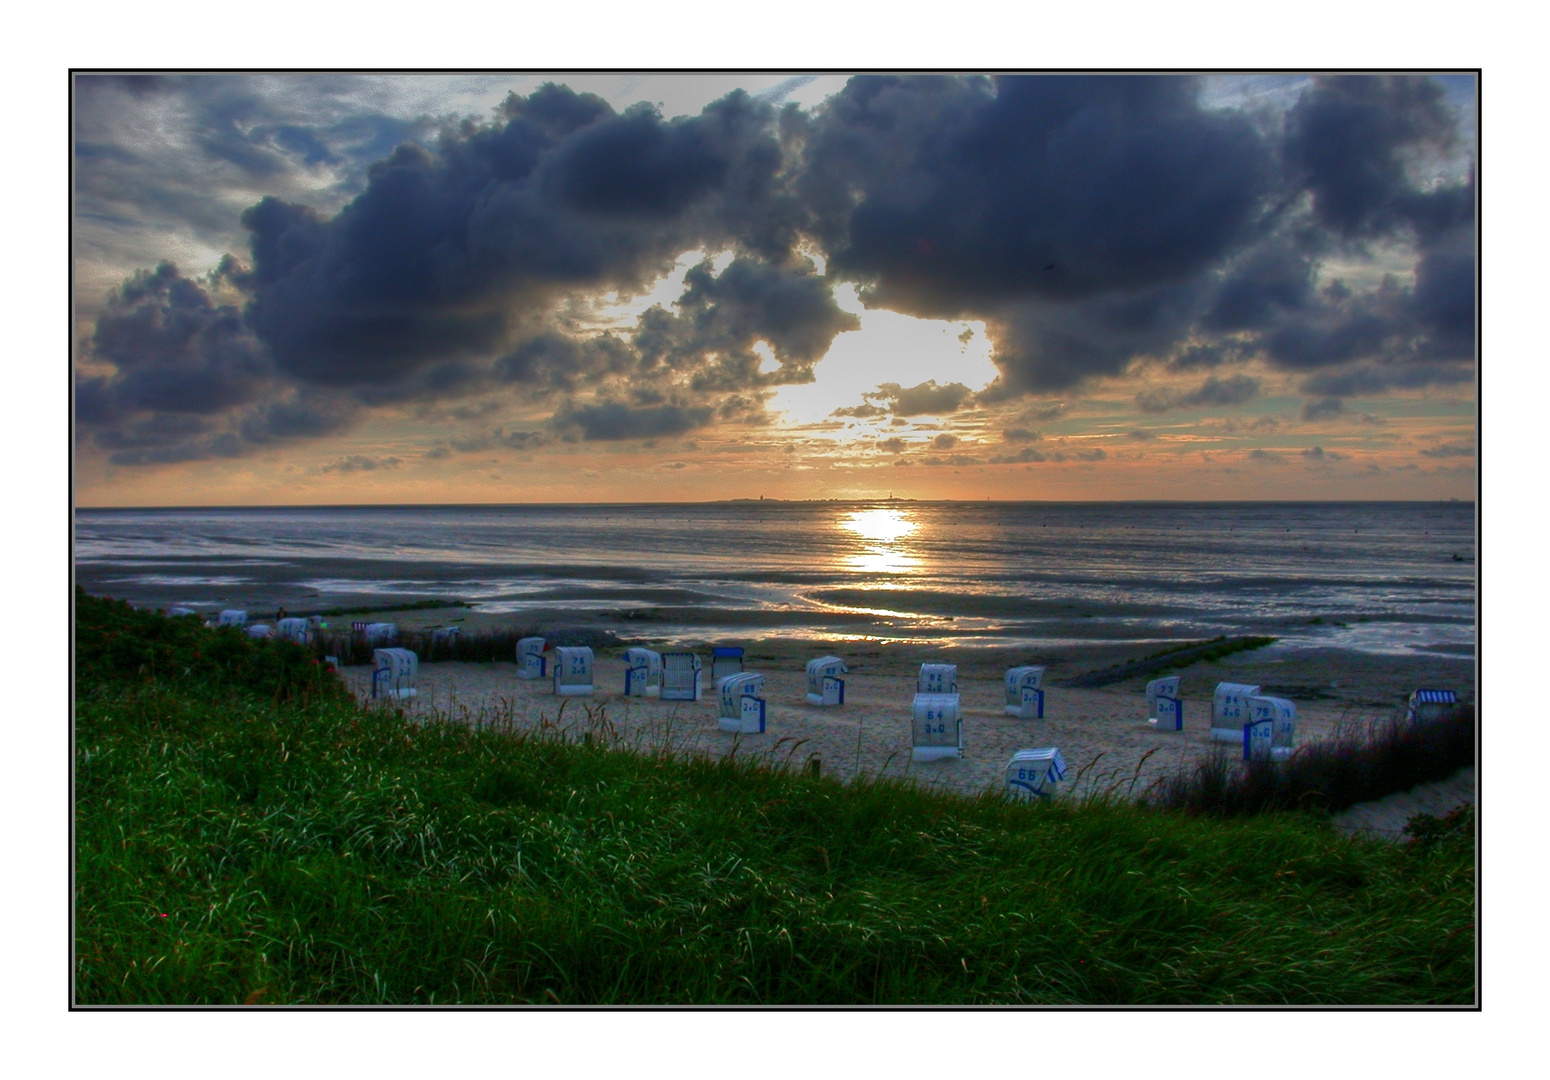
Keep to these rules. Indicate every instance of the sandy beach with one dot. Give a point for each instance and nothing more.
(1101, 733)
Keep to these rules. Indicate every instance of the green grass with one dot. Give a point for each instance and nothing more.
(245, 833)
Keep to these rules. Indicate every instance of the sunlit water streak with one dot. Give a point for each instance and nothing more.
(1381, 577)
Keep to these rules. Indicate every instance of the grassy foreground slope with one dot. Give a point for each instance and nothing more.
(246, 833)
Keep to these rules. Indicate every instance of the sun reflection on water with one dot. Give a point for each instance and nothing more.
(881, 530)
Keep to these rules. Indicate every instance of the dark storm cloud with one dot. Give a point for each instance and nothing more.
(1230, 391)
(614, 421)
(1322, 409)
(1350, 141)
(950, 194)
(1090, 221)
(447, 250)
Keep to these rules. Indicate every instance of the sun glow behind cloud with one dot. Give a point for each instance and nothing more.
(889, 347)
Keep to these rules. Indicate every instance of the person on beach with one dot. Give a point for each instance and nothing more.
(280, 614)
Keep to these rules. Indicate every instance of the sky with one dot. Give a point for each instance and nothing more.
(354, 288)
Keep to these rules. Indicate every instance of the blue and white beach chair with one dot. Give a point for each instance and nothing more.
(572, 671)
(642, 672)
(824, 685)
(1282, 715)
(530, 658)
(1230, 710)
(1025, 692)
(1164, 710)
(232, 617)
(937, 729)
(680, 676)
(742, 709)
(394, 672)
(725, 660)
(1426, 705)
(937, 679)
(1033, 774)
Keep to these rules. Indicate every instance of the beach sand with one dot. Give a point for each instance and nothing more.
(1102, 733)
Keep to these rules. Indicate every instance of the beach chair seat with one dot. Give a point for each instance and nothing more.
(824, 685)
(937, 729)
(1033, 774)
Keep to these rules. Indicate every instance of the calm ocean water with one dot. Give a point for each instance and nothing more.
(1377, 577)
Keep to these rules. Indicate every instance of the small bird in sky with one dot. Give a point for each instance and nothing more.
(1051, 266)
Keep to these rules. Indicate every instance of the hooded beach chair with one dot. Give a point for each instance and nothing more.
(937, 679)
(937, 730)
(259, 630)
(381, 633)
(178, 612)
(1033, 774)
(572, 670)
(1282, 717)
(1230, 710)
(742, 709)
(725, 660)
(232, 618)
(292, 630)
(824, 685)
(1164, 710)
(530, 658)
(1427, 705)
(1025, 692)
(394, 672)
(642, 672)
(680, 676)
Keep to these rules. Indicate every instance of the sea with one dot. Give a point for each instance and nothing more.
(1385, 578)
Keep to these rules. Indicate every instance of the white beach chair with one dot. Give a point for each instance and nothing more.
(1032, 774)
(642, 672)
(572, 671)
(1230, 710)
(824, 685)
(1428, 705)
(381, 633)
(259, 630)
(1164, 710)
(530, 658)
(742, 709)
(1282, 715)
(937, 731)
(316, 623)
(394, 672)
(179, 612)
(937, 679)
(232, 618)
(292, 630)
(1025, 692)
(680, 676)
(725, 660)
(445, 635)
